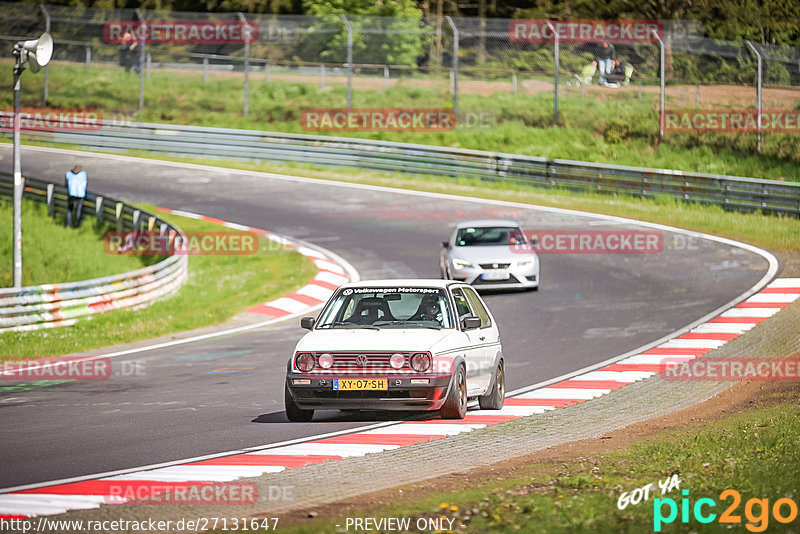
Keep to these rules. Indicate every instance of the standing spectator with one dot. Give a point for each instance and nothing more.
(129, 52)
(605, 60)
(76, 192)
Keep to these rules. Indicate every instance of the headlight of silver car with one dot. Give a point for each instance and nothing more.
(525, 263)
(459, 264)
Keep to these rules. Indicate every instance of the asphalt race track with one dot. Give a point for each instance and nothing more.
(226, 393)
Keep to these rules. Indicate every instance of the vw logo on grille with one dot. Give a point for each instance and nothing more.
(495, 266)
(361, 359)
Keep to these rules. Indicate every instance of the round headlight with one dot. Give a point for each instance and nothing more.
(420, 362)
(325, 361)
(397, 361)
(304, 362)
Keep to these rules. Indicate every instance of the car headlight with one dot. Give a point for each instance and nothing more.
(304, 362)
(421, 362)
(459, 264)
(527, 262)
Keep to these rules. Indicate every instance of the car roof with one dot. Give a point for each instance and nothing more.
(404, 282)
(486, 222)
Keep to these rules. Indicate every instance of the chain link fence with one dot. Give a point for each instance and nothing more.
(440, 58)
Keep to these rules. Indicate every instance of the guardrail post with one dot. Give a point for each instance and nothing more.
(88, 57)
(322, 75)
(385, 76)
(454, 72)
(51, 208)
(163, 228)
(349, 61)
(118, 211)
(140, 16)
(205, 68)
(149, 63)
(98, 209)
(46, 91)
(758, 91)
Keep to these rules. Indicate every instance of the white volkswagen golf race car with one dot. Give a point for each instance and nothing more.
(397, 345)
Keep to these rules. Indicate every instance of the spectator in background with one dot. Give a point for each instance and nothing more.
(129, 52)
(77, 181)
(605, 60)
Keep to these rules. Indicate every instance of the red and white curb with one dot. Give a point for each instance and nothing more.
(227, 467)
(330, 273)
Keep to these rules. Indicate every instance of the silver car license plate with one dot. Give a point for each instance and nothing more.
(495, 274)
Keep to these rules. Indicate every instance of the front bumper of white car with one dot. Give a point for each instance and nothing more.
(497, 275)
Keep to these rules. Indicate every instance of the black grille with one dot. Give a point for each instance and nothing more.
(355, 395)
(376, 362)
(511, 281)
(495, 265)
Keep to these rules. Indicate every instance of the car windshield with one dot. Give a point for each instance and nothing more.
(397, 307)
(489, 236)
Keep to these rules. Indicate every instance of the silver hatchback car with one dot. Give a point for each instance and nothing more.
(490, 254)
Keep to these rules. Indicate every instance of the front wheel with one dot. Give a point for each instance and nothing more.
(292, 411)
(494, 398)
(455, 405)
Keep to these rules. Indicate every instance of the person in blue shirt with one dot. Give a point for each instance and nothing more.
(76, 192)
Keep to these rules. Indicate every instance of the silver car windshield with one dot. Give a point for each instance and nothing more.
(376, 308)
(490, 236)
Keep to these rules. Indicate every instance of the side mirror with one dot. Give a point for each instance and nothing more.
(445, 244)
(307, 322)
(471, 322)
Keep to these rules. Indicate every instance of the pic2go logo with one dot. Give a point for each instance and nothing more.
(758, 521)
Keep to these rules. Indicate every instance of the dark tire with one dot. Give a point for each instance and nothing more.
(494, 398)
(455, 405)
(292, 411)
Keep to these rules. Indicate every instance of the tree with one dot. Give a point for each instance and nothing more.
(385, 32)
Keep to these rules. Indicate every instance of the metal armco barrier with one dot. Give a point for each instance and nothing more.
(730, 192)
(51, 305)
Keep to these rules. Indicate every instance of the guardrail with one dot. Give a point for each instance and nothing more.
(730, 192)
(51, 305)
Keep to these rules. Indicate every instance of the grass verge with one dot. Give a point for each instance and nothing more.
(218, 287)
(754, 452)
(610, 127)
(44, 242)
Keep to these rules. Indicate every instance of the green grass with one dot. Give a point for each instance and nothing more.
(756, 452)
(614, 129)
(45, 241)
(219, 286)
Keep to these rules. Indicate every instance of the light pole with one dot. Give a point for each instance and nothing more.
(36, 53)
